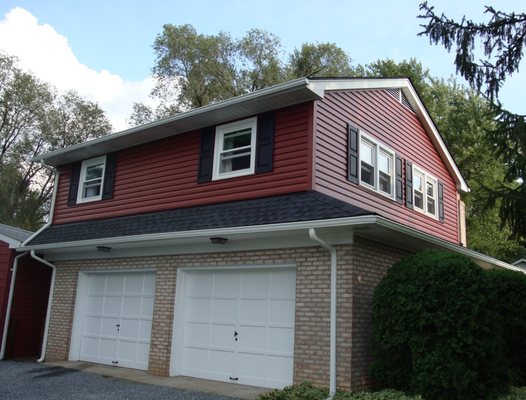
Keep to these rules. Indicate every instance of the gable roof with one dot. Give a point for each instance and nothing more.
(13, 236)
(267, 99)
(294, 207)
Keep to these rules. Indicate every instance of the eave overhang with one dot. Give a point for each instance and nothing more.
(274, 97)
(293, 234)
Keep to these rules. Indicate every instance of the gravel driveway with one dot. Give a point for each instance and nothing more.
(32, 381)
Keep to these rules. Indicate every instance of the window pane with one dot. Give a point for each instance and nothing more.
(91, 190)
(419, 200)
(234, 140)
(366, 153)
(431, 205)
(94, 171)
(430, 189)
(384, 163)
(385, 183)
(367, 174)
(417, 182)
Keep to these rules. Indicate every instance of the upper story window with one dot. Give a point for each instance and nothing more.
(425, 192)
(235, 145)
(91, 179)
(376, 166)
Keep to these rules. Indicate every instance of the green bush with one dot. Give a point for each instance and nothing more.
(433, 333)
(509, 291)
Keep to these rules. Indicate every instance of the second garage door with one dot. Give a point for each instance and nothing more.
(238, 325)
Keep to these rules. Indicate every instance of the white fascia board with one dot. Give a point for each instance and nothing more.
(254, 229)
(13, 243)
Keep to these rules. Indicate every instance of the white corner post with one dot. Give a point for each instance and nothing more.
(49, 301)
(332, 353)
(9, 304)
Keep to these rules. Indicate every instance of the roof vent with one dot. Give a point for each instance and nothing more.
(400, 97)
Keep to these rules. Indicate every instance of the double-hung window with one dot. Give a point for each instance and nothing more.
(235, 145)
(91, 179)
(425, 192)
(376, 166)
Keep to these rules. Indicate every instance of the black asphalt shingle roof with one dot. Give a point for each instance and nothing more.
(294, 207)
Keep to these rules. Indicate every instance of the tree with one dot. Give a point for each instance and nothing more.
(34, 119)
(502, 40)
(193, 70)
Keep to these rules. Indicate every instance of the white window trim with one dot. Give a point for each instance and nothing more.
(82, 178)
(379, 147)
(427, 178)
(221, 130)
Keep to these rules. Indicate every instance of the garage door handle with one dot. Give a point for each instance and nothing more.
(235, 336)
(234, 379)
(118, 327)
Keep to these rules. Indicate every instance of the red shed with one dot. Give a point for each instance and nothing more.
(30, 296)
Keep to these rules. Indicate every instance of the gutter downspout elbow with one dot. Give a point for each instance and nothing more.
(332, 353)
(49, 301)
(9, 304)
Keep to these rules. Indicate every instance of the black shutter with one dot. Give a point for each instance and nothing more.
(109, 176)
(409, 184)
(441, 216)
(206, 155)
(265, 143)
(74, 184)
(353, 154)
(399, 180)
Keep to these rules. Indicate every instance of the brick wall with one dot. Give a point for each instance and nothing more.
(360, 268)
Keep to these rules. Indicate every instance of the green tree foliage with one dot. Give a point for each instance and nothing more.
(34, 119)
(501, 40)
(433, 332)
(509, 291)
(193, 69)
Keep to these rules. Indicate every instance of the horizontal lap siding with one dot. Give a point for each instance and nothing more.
(379, 115)
(6, 259)
(162, 175)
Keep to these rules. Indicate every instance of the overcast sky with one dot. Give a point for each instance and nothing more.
(103, 48)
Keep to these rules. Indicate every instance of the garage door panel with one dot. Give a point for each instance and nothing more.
(222, 336)
(198, 309)
(280, 340)
(145, 330)
(252, 339)
(114, 284)
(112, 305)
(200, 284)
(108, 348)
(109, 326)
(147, 307)
(226, 284)
(253, 311)
(250, 366)
(196, 359)
(224, 310)
(280, 284)
(281, 311)
(90, 346)
(94, 305)
(197, 334)
(133, 285)
(92, 325)
(131, 306)
(255, 284)
(221, 362)
(97, 285)
(129, 329)
(279, 369)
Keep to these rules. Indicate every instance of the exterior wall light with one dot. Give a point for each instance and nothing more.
(218, 240)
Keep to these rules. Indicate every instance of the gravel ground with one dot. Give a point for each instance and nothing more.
(32, 381)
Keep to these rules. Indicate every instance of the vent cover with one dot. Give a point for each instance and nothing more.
(400, 97)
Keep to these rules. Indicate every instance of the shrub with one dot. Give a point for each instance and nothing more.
(433, 333)
(509, 291)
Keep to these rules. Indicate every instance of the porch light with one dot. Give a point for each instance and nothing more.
(218, 240)
(104, 249)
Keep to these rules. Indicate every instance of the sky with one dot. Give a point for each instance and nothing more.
(103, 48)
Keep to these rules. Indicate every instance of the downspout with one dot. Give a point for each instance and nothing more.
(50, 299)
(9, 304)
(332, 353)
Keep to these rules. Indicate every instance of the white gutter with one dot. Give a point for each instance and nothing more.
(9, 304)
(332, 354)
(49, 301)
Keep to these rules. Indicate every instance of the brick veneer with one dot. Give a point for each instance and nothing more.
(360, 268)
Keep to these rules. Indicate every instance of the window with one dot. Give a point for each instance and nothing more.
(91, 179)
(376, 166)
(235, 149)
(425, 192)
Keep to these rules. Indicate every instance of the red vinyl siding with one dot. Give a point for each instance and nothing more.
(163, 175)
(6, 260)
(380, 116)
(28, 312)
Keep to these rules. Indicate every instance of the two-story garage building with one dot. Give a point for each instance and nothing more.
(242, 241)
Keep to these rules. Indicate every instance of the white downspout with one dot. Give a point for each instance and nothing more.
(49, 301)
(9, 304)
(332, 354)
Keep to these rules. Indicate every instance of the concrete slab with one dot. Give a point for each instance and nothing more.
(178, 382)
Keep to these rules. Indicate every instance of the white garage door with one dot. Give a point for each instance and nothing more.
(117, 318)
(238, 326)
